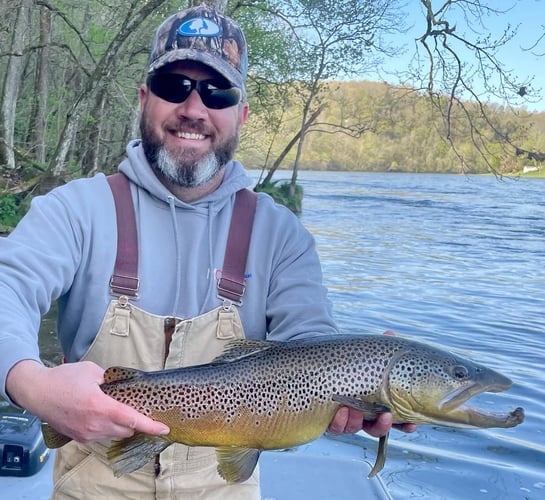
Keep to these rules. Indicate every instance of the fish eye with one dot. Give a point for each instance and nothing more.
(460, 372)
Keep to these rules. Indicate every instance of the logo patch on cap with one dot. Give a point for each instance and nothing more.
(199, 26)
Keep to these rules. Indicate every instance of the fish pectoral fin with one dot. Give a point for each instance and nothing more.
(236, 465)
(370, 408)
(130, 454)
(381, 456)
(52, 438)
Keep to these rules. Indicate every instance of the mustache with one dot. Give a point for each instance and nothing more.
(195, 126)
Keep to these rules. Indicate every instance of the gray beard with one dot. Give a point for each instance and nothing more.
(179, 168)
(198, 174)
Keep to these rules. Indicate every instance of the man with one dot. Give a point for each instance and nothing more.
(183, 183)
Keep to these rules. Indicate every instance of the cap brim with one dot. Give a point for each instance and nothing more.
(222, 67)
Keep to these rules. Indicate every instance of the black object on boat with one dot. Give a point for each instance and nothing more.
(22, 448)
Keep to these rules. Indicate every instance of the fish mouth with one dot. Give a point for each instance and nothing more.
(461, 395)
(454, 410)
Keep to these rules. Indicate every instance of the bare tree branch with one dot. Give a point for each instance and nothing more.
(70, 24)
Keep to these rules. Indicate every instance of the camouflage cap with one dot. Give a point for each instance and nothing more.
(204, 35)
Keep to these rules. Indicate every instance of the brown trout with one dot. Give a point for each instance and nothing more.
(263, 395)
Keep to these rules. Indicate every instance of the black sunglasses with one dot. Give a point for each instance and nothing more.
(175, 88)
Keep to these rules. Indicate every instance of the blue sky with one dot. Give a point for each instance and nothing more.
(527, 15)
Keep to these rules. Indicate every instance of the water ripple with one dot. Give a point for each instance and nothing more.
(457, 261)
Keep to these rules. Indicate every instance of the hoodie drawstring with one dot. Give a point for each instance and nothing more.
(172, 206)
(211, 279)
(211, 282)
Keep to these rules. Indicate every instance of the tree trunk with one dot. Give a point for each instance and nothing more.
(131, 23)
(295, 169)
(12, 83)
(305, 126)
(92, 134)
(38, 117)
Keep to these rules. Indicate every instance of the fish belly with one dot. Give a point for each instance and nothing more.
(247, 429)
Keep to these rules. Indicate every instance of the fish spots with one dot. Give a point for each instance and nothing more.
(298, 378)
(269, 395)
(279, 382)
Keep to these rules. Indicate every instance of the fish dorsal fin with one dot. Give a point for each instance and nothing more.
(119, 373)
(236, 465)
(238, 349)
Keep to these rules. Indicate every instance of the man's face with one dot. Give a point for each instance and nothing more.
(187, 143)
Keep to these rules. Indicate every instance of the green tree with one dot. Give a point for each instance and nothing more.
(328, 42)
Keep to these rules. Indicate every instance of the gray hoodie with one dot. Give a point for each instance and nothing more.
(65, 249)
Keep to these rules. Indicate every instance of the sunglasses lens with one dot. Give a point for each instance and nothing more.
(215, 98)
(176, 89)
(170, 87)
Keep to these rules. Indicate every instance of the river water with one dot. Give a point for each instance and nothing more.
(447, 259)
(453, 260)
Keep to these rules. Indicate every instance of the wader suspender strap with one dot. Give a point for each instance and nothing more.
(124, 280)
(231, 280)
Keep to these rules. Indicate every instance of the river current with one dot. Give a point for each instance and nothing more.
(457, 261)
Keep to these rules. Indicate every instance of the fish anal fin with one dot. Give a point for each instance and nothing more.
(370, 408)
(130, 454)
(52, 438)
(236, 465)
(381, 456)
(118, 373)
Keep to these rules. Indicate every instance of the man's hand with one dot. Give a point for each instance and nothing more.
(348, 421)
(68, 398)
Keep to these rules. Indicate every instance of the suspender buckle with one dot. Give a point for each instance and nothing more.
(124, 285)
(230, 289)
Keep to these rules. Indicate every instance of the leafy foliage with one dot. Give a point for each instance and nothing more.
(280, 191)
(401, 134)
(12, 208)
(8, 210)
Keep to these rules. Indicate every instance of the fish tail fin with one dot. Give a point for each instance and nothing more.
(130, 454)
(52, 438)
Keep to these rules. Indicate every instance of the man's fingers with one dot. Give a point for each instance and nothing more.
(338, 423)
(129, 418)
(354, 422)
(405, 427)
(348, 420)
(379, 427)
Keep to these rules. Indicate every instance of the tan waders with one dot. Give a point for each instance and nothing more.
(132, 337)
(135, 338)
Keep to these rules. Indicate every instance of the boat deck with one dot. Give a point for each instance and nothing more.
(322, 470)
